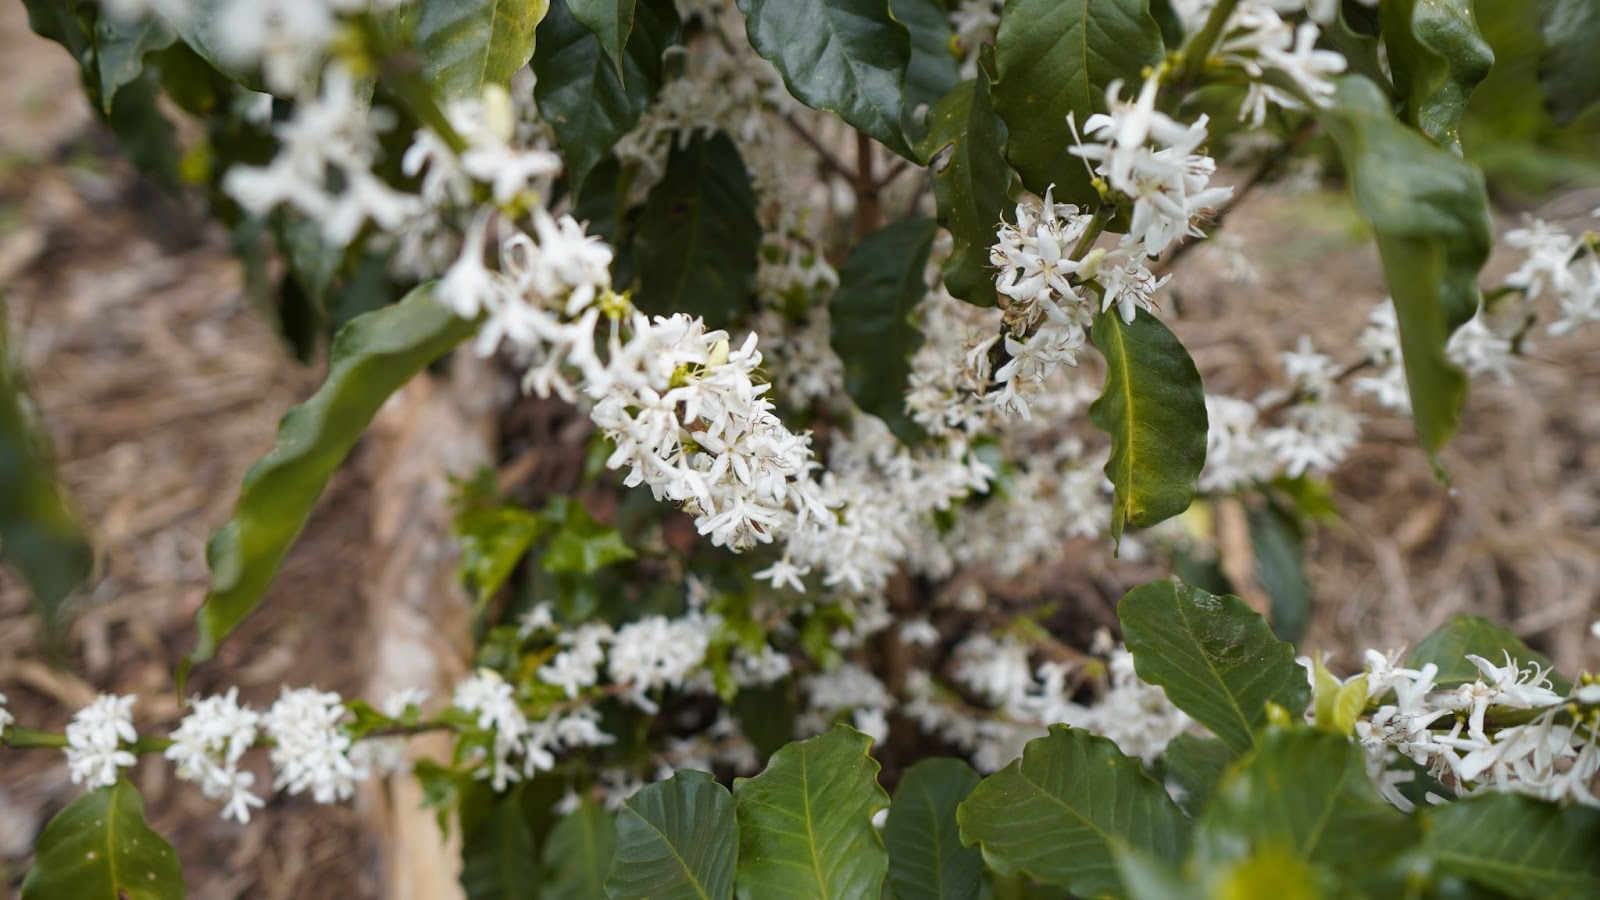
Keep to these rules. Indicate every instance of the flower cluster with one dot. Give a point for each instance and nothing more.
(207, 747)
(96, 739)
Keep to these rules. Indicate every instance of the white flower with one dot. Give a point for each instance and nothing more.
(95, 739)
(1236, 454)
(919, 633)
(578, 666)
(488, 695)
(207, 747)
(6, 718)
(656, 652)
(311, 751)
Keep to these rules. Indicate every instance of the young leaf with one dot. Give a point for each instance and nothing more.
(1569, 70)
(842, 56)
(805, 824)
(1059, 813)
(1056, 57)
(1155, 411)
(932, 71)
(1430, 212)
(493, 541)
(699, 239)
(676, 839)
(371, 358)
(612, 22)
(1517, 845)
(588, 105)
(1215, 657)
(498, 858)
(1309, 793)
(468, 45)
(970, 180)
(580, 544)
(578, 853)
(100, 848)
(880, 285)
(1448, 645)
(926, 858)
(1195, 764)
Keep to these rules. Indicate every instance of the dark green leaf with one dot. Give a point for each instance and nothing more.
(842, 56)
(1216, 658)
(1195, 764)
(1145, 877)
(932, 71)
(498, 859)
(805, 824)
(1060, 813)
(372, 357)
(1437, 56)
(1448, 645)
(1569, 70)
(468, 45)
(1521, 846)
(1281, 566)
(40, 535)
(676, 839)
(199, 30)
(578, 854)
(766, 715)
(1056, 57)
(580, 544)
(580, 94)
(1306, 792)
(880, 285)
(926, 858)
(699, 237)
(68, 23)
(120, 49)
(1155, 411)
(1430, 212)
(100, 848)
(970, 178)
(611, 21)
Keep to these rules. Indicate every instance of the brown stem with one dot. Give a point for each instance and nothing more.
(868, 209)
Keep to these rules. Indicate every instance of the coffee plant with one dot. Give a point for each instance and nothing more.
(866, 295)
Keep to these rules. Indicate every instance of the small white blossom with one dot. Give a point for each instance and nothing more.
(95, 739)
(311, 750)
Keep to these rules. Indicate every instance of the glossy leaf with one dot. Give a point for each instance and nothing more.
(1306, 792)
(1195, 764)
(699, 238)
(468, 45)
(1215, 657)
(1437, 56)
(1155, 411)
(1569, 69)
(970, 181)
(880, 285)
(1056, 57)
(498, 857)
(1448, 645)
(580, 545)
(493, 541)
(1517, 845)
(1277, 540)
(926, 857)
(676, 839)
(842, 56)
(578, 853)
(933, 70)
(1430, 214)
(40, 534)
(101, 848)
(612, 22)
(805, 824)
(1060, 813)
(588, 105)
(120, 48)
(371, 358)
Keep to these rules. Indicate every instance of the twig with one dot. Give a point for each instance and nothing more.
(868, 210)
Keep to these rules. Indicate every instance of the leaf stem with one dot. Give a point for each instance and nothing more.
(1205, 40)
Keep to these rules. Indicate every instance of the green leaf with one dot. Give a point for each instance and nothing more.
(805, 824)
(766, 715)
(493, 541)
(100, 848)
(588, 104)
(1448, 645)
(699, 239)
(498, 858)
(1430, 213)
(120, 48)
(40, 534)
(842, 56)
(1060, 813)
(1437, 56)
(871, 313)
(1216, 658)
(933, 70)
(612, 22)
(1155, 411)
(371, 358)
(581, 545)
(677, 838)
(578, 854)
(1517, 845)
(1056, 57)
(1569, 69)
(1280, 564)
(468, 45)
(926, 858)
(1195, 764)
(1307, 793)
(970, 180)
